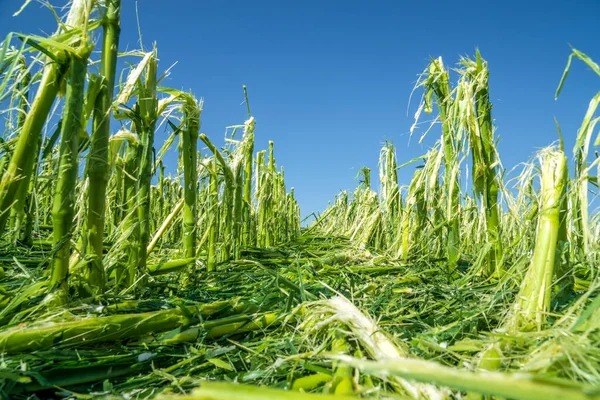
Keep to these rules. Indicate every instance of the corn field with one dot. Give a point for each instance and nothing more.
(122, 277)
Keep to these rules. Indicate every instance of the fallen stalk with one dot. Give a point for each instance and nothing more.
(169, 266)
(164, 226)
(223, 327)
(518, 386)
(49, 334)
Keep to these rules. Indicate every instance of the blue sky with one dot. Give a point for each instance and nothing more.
(329, 81)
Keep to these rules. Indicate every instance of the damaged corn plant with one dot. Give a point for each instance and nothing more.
(124, 277)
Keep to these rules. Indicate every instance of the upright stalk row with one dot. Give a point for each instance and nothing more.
(102, 200)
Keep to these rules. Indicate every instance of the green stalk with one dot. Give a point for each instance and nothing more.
(7, 147)
(161, 190)
(131, 225)
(63, 208)
(511, 386)
(227, 326)
(20, 166)
(78, 375)
(411, 213)
(260, 195)
(164, 226)
(189, 140)
(17, 176)
(366, 173)
(249, 151)
(580, 200)
(98, 168)
(119, 180)
(388, 176)
(213, 210)
(227, 219)
(269, 203)
(26, 211)
(293, 217)
(88, 330)
(485, 177)
(533, 300)
(170, 266)
(148, 108)
(238, 185)
(438, 84)
(227, 196)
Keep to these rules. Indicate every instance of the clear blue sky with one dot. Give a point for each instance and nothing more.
(329, 81)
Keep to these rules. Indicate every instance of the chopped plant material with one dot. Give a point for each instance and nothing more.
(124, 278)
